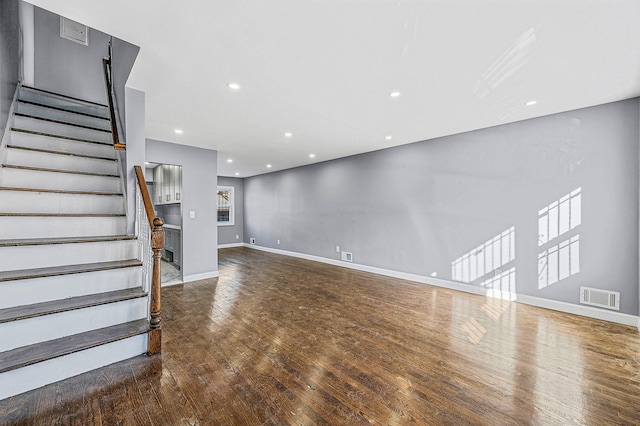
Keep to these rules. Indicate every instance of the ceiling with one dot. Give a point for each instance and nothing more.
(322, 70)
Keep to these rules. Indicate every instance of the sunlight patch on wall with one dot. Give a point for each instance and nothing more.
(560, 260)
(485, 258)
(560, 217)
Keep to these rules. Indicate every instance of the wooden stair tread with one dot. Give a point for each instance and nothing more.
(23, 274)
(16, 313)
(63, 240)
(85, 114)
(60, 191)
(50, 120)
(70, 154)
(32, 354)
(74, 172)
(51, 135)
(64, 96)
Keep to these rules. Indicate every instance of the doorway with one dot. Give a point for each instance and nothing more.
(165, 187)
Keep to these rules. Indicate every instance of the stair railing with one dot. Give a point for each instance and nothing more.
(151, 241)
(118, 142)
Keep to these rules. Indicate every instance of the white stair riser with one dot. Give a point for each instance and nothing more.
(59, 227)
(45, 289)
(14, 334)
(20, 178)
(62, 102)
(15, 382)
(29, 140)
(50, 202)
(43, 256)
(65, 116)
(61, 129)
(21, 157)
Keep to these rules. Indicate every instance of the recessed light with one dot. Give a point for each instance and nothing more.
(268, 166)
(237, 174)
(179, 131)
(312, 156)
(287, 135)
(229, 160)
(531, 103)
(146, 163)
(233, 86)
(394, 94)
(388, 138)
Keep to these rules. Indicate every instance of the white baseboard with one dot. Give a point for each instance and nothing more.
(170, 283)
(224, 246)
(203, 276)
(586, 311)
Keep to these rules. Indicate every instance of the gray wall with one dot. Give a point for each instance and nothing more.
(70, 68)
(124, 56)
(227, 234)
(199, 173)
(135, 153)
(9, 57)
(417, 208)
(171, 213)
(66, 67)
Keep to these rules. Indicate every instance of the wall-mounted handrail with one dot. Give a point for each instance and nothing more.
(118, 144)
(157, 244)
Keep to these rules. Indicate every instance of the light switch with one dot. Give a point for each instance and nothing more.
(192, 214)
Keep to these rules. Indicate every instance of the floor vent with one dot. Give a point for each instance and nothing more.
(602, 298)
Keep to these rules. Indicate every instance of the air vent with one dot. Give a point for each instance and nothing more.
(347, 257)
(74, 31)
(601, 298)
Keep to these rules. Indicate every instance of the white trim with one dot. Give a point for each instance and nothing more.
(232, 204)
(170, 283)
(203, 276)
(224, 246)
(586, 311)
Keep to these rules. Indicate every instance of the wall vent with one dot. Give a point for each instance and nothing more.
(347, 257)
(252, 240)
(602, 298)
(74, 31)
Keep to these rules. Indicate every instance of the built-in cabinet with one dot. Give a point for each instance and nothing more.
(172, 250)
(167, 184)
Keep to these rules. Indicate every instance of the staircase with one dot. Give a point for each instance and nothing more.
(71, 284)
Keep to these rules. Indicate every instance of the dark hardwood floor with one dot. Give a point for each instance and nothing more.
(278, 340)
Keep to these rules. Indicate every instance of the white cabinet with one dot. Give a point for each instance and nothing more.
(167, 184)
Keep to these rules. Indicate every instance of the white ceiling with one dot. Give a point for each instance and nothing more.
(323, 69)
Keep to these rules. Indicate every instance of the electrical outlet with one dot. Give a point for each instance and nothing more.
(278, 242)
(237, 237)
(347, 256)
(192, 214)
(252, 240)
(337, 249)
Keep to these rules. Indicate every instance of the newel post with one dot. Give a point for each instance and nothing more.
(157, 243)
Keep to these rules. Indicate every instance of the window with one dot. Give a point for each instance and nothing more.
(226, 208)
